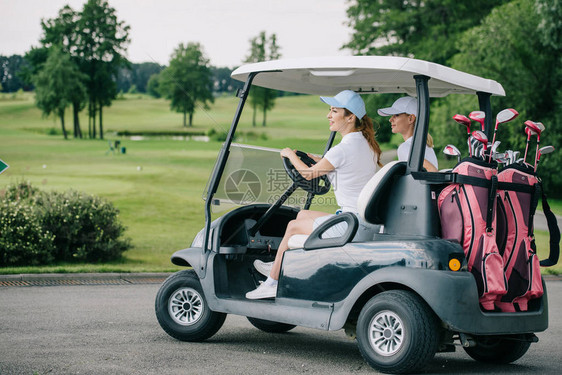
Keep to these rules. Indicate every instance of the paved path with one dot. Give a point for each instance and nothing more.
(112, 329)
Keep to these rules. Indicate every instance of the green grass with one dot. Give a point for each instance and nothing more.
(157, 184)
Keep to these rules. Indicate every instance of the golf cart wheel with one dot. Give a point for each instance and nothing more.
(397, 332)
(182, 311)
(269, 326)
(498, 349)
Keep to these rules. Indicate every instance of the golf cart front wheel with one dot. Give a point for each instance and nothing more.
(397, 332)
(182, 311)
(499, 349)
(269, 326)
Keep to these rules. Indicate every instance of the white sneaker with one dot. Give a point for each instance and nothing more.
(263, 267)
(263, 291)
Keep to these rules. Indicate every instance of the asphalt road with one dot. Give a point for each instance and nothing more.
(112, 329)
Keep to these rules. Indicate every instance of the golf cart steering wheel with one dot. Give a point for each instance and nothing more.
(318, 186)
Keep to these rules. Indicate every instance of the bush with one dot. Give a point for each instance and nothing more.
(23, 240)
(42, 227)
(86, 227)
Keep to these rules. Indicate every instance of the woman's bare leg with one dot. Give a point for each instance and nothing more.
(303, 224)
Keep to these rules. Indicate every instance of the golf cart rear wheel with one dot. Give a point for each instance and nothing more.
(498, 349)
(397, 332)
(182, 311)
(269, 326)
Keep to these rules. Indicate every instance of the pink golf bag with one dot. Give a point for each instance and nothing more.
(518, 195)
(467, 210)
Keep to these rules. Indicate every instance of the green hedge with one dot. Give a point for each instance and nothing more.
(40, 228)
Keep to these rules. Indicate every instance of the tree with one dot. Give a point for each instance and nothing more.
(153, 86)
(9, 77)
(262, 48)
(61, 31)
(101, 45)
(187, 81)
(427, 30)
(57, 85)
(137, 75)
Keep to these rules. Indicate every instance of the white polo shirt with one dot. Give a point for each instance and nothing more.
(355, 164)
(404, 151)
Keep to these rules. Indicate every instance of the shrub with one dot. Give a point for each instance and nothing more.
(23, 240)
(19, 191)
(37, 228)
(86, 227)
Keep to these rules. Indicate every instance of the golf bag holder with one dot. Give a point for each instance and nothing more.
(519, 191)
(467, 208)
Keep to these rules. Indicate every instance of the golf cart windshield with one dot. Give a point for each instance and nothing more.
(254, 175)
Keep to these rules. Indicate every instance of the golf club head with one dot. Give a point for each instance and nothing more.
(533, 128)
(451, 150)
(541, 152)
(546, 150)
(478, 116)
(463, 120)
(480, 137)
(501, 157)
(540, 125)
(506, 115)
(495, 147)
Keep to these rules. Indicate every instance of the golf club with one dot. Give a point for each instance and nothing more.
(464, 121)
(481, 137)
(478, 116)
(451, 150)
(541, 127)
(502, 117)
(531, 128)
(541, 152)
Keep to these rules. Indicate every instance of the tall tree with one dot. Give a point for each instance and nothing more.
(187, 81)
(263, 48)
(57, 85)
(62, 31)
(101, 45)
(427, 30)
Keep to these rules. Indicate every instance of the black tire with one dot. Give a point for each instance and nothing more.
(498, 349)
(269, 326)
(397, 332)
(182, 311)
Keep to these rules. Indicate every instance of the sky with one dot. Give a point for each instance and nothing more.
(304, 28)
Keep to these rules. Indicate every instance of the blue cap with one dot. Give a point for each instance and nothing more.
(349, 100)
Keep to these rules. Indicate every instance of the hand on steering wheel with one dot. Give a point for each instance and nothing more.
(318, 186)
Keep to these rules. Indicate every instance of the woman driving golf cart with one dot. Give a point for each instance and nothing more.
(349, 166)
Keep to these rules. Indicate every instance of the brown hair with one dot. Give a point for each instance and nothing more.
(366, 127)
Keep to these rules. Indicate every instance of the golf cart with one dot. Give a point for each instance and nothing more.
(397, 287)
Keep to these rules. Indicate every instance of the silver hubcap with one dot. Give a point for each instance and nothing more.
(386, 333)
(185, 306)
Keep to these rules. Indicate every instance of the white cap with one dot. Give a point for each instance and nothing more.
(406, 104)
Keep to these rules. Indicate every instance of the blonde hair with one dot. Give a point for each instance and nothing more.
(366, 127)
(429, 141)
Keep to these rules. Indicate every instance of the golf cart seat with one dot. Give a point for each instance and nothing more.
(372, 201)
(370, 204)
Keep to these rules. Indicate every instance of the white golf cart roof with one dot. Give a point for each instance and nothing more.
(368, 74)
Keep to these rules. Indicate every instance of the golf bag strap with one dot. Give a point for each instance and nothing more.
(554, 234)
(491, 203)
(535, 195)
(451, 178)
(512, 186)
